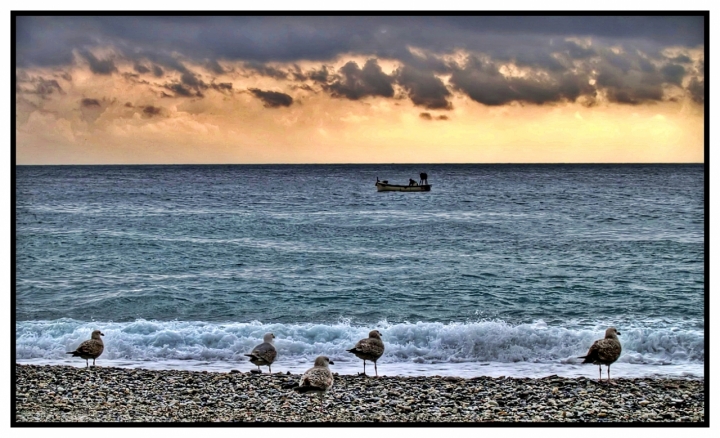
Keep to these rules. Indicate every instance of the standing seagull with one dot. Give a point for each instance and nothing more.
(90, 349)
(264, 354)
(604, 351)
(370, 348)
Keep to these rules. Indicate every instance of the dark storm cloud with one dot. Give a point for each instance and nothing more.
(697, 90)
(140, 68)
(322, 76)
(424, 88)
(575, 50)
(418, 42)
(150, 111)
(428, 116)
(673, 73)
(214, 67)
(99, 66)
(266, 70)
(355, 83)
(37, 85)
(646, 65)
(222, 86)
(90, 102)
(272, 99)
(191, 80)
(482, 81)
(539, 59)
(297, 73)
(51, 40)
(180, 89)
(683, 59)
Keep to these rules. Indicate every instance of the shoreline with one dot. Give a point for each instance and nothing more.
(404, 369)
(57, 394)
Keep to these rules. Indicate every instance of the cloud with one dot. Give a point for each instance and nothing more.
(272, 99)
(215, 67)
(424, 88)
(428, 116)
(38, 85)
(551, 58)
(50, 40)
(266, 70)
(322, 76)
(191, 80)
(697, 90)
(355, 83)
(140, 68)
(576, 51)
(222, 87)
(629, 87)
(150, 111)
(180, 89)
(90, 102)
(673, 73)
(99, 66)
(683, 59)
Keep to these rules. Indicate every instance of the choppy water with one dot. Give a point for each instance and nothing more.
(500, 269)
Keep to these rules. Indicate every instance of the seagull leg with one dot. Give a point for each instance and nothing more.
(609, 375)
(269, 369)
(87, 364)
(376, 369)
(364, 366)
(600, 369)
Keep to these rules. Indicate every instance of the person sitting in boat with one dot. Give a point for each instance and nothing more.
(413, 182)
(423, 178)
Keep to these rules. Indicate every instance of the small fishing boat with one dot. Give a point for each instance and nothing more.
(384, 186)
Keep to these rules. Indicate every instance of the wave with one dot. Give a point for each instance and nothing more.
(419, 343)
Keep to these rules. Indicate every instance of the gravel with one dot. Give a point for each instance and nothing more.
(101, 395)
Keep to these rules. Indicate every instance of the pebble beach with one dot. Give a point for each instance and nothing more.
(59, 394)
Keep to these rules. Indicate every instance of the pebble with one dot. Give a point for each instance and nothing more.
(103, 394)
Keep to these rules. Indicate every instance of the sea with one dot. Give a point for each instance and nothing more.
(499, 270)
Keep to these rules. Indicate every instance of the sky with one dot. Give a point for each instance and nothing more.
(359, 89)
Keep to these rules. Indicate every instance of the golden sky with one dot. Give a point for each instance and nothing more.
(153, 90)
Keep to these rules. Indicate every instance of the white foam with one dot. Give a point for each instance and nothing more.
(494, 347)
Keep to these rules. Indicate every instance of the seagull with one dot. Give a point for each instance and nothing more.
(604, 351)
(317, 379)
(370, 348)
(90, 349)
(264, 354)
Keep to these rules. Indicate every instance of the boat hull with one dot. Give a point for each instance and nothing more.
(383, 187)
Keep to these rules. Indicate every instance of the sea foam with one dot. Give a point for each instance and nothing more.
(420, 343)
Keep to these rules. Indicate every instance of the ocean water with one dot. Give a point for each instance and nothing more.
(500, 270)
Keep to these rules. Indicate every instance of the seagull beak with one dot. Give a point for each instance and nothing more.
(617, 332)
(102, 334)
(331, 363)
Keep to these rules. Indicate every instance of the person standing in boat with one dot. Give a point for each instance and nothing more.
(423, 178)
